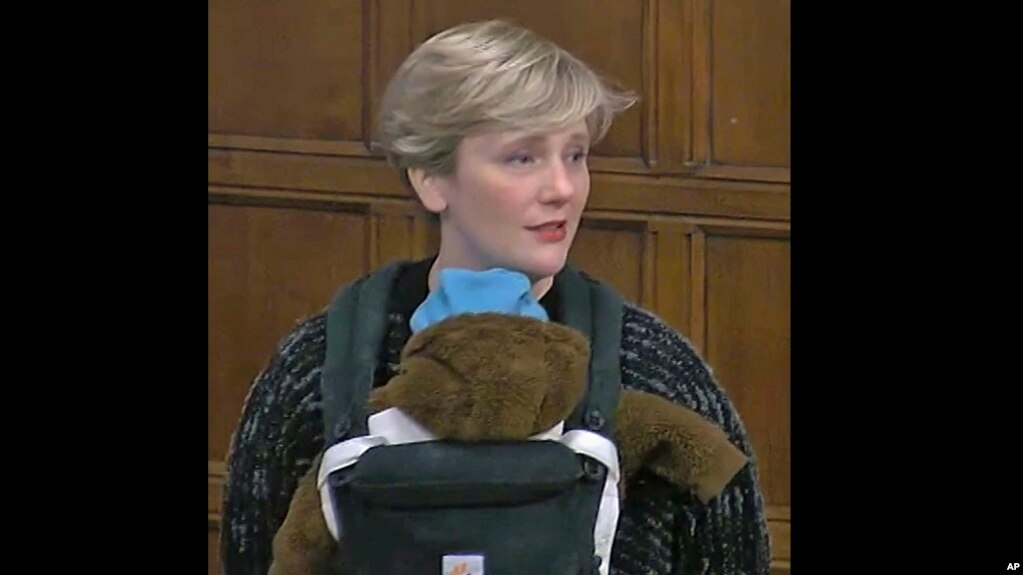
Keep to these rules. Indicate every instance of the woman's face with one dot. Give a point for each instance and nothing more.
(515, 200)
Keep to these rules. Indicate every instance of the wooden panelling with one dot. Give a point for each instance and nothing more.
(741, 228)
(750, 82)
(213, 553)
(296, 145)
(390, 29)
(268, 268)
(617, 192)
(302, 172)
(781, 534)
(698, 300)
(391, 236)
(779, 526)
(215, 491)
(710, 75)
(574, 25)
(748, 343)
(667, 106)
(745, 174)
(699, 17)
(286, 69)
(613, 251)
(672, 275)
(214, 487)
(401, 232)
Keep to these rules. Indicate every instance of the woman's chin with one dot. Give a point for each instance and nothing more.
(544, 266)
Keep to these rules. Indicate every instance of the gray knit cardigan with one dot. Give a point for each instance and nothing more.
(661, 531)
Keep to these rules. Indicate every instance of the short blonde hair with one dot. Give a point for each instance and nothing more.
(487, 76)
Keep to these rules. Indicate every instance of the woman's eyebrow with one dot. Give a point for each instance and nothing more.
(531, 139)
(580, 137)
(524, 140)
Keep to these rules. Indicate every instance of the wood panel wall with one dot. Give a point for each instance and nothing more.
(690, 204)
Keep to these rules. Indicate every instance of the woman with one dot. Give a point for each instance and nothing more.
(490, 126)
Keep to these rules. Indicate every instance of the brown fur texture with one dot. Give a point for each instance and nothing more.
(303, 543)
(675, 443)
(488, 377)
(493, 376)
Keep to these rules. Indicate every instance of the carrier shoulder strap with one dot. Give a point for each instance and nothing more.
(595, 309)
(356, 324)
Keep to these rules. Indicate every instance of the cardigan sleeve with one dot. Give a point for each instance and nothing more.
(277, 437)
(729, 534)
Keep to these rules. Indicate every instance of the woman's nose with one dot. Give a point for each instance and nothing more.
(559, 186)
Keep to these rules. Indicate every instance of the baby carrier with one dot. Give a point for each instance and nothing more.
(404, 503)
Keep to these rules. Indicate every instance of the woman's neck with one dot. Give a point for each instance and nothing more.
(540, 286)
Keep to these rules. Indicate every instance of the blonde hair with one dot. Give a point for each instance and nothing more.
(487, 76)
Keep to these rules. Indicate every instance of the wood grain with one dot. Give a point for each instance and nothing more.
(266, 68)
(614, 247)
(268, 268)
(750, 79)
(748, 343)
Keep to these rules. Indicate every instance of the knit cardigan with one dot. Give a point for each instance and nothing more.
(661, 531)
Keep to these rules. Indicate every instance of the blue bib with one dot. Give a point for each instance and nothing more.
(461, 291)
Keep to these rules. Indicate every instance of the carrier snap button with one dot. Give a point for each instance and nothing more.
(595, 420)
(593, 470)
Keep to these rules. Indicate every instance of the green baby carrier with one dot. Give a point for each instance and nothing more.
(469, 508)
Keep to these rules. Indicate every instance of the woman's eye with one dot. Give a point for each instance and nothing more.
(579, 157)
(520, 159)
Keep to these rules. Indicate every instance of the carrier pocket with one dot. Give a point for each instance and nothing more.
(512, 507)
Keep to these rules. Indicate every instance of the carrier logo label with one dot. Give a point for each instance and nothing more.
(462, 565)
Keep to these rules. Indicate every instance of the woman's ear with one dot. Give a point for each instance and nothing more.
(429, 188)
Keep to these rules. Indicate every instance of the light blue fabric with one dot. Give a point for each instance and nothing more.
(461, 291)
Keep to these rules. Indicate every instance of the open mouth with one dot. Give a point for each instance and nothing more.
(550, 231)
(548, 227)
